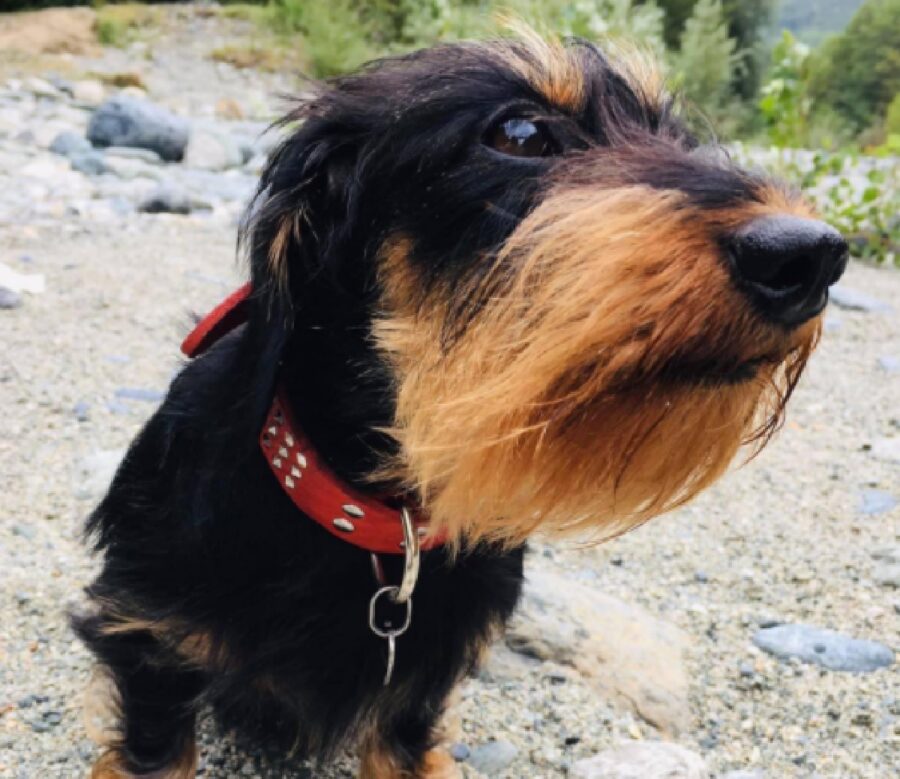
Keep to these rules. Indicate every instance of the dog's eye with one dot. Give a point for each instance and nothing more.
(519, 138)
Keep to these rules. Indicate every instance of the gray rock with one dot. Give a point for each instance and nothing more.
(887, 449)
(823, 647)
(9, 298)
(493, 757)
(633, 658)
(69, 142)
(166, 200)
(887, 575)
(876, 501)
(642, 760)
(91, 163)
(128, 121)
(854, 300)
(459, 752)
(211, 149)
(40, 88)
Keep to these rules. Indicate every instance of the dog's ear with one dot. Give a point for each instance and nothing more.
(295, 227)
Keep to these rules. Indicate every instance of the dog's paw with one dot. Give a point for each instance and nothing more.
(439, 764)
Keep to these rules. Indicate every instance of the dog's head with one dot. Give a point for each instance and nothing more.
(523, 293)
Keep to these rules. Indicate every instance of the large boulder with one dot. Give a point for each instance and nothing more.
(632, 657)
(129, 121)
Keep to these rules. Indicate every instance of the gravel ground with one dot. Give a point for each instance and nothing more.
(803, 534)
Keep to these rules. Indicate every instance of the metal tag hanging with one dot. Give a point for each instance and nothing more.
(400, 595)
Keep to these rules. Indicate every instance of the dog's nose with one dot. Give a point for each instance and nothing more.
(785, 264)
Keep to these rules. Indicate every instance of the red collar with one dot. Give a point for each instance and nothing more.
(363, 521)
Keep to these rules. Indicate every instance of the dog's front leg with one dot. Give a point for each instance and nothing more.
(408, 746)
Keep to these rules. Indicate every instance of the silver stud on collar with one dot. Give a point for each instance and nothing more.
(295, 473)
(289, 482)
(353, 511)
(289, 439)
(343, 524)
(276, 461)
(301, 460)
(282, 452)
(272, 430)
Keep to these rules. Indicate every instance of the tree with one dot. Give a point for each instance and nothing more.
(747, 23)
(706, 61)
(856, 74)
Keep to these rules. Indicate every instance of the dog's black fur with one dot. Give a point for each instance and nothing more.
(197, 536)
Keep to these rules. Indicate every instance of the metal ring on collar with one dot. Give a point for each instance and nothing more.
(411, 558)
(391, 592)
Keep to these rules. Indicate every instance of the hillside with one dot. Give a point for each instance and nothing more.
(812, 20)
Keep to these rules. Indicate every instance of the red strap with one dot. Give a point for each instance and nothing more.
(365, 522)
(226, 316)
(351, 516)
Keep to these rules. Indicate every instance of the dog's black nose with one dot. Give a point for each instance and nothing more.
(786, 264)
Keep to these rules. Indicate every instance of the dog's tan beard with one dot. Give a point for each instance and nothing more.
(553, 409)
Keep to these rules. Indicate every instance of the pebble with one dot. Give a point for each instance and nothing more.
(889, 364)
(823, 647)
(886, 449)
(166, 199)
(129, 121)
(213, 150)
(89, 92)
(642, 760)
(139, 393)
(9, 298)
(876, 501)
(887, 575)
(68, 143)
(40, 88)
(854, 300)
(493, 757)
(887, 554)
(459, 752)
(95, 472)
(91, 163)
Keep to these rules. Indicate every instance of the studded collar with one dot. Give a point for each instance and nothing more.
(369, 523)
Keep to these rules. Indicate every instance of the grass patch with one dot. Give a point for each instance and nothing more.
(119, 25)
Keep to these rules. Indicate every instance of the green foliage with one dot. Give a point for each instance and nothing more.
(748, 22)
(785, 103)
(864, 206)
(892, 117)
(118, 25)
(341, 34)
(857, 74)
(707, 60)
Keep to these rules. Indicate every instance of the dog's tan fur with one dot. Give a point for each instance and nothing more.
(554, 390)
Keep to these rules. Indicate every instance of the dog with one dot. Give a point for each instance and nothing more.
(496, 288)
